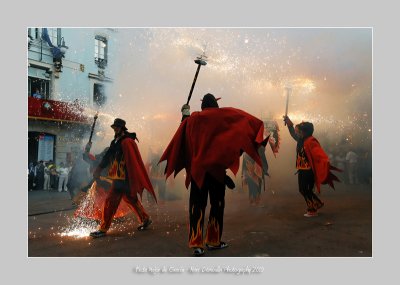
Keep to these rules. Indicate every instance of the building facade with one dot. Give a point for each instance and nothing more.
(68, 75)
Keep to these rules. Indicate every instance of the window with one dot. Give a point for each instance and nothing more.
(99, 97)
(38, 33)
(54, 34)
(100, 51)
(39, 85)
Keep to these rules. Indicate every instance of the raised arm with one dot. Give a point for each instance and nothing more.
(289, 124)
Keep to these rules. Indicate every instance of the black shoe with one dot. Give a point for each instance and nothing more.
(97, 234)
(144, 226)
(220, 246)
(229, 182)
(198, 251)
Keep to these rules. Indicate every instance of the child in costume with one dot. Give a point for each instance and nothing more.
(312, 163)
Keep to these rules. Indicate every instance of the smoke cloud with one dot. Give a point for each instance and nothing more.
(329, 71)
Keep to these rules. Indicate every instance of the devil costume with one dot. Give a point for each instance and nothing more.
(92, 197)
(253, 176)
(129, 178)
(206, 144)
(312, 164)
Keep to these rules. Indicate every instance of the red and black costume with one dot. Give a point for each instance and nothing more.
(92, 205)
(206, 144)
(129, 178)
(312, 164)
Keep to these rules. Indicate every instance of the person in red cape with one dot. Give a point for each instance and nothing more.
(206, 144)
(312, 164)
(91, 201)
(128, 175)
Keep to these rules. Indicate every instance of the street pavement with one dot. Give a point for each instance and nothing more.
(274, 228)
(47, 201)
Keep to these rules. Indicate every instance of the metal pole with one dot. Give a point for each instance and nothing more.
(41, 49)
(199, 62)
(94, 123)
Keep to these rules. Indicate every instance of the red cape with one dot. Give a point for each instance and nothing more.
(211, 141)
(137, 174)
(320, 164)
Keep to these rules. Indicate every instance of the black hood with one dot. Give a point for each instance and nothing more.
(209, 101)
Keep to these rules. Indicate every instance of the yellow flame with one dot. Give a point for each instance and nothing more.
(197, 236)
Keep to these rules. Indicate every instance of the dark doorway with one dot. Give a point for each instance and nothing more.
(99, 97)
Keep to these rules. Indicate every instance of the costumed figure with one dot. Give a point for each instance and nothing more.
(312, 163)
(91, 197)
(254, 176)
(156, 172)
(128, 175)
(206, 144)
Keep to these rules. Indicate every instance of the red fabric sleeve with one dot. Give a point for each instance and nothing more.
(137, 174)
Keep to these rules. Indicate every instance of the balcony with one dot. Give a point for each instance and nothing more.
(51, 110)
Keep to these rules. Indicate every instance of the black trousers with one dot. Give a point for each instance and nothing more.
(197, 206)
(306, 186)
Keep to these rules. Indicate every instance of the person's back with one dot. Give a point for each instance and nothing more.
(352, 157)
(206, 144)
(46, 185)
(340, 160)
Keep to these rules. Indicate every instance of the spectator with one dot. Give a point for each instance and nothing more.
(53, 175)
(63, 177)
(37, 94)
(331, 156)
(340, 160)
(39, 175)
(352, 159)
(46, 185)
(31, 176)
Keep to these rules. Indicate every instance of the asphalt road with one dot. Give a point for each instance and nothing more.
(274, 228)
